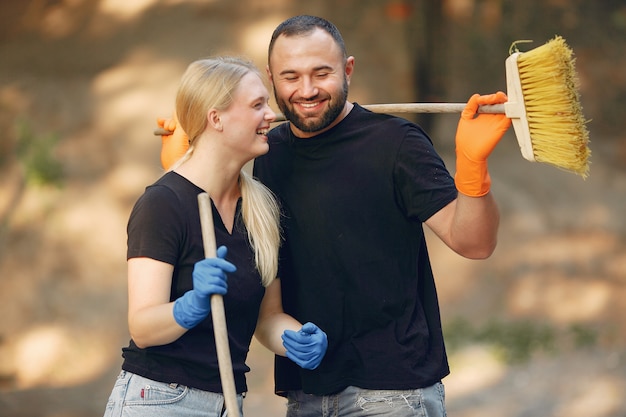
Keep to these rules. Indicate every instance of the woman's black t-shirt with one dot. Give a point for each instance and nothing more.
(165, 225)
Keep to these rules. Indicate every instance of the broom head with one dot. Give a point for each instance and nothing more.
(544, 107)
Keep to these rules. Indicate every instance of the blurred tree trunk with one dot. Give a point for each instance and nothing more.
(426, 39)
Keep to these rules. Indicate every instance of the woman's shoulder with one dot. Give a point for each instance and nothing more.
(169, 191)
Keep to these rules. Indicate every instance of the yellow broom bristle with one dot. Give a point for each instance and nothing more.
(557, 127)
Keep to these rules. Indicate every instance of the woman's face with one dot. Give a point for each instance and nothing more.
(247, 120)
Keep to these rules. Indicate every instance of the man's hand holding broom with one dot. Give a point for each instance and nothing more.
(476, 137)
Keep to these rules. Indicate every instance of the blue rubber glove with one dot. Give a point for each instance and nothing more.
(307, 346)
(209, 277)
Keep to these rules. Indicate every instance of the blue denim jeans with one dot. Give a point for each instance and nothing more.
(358, 402)
(136, 396)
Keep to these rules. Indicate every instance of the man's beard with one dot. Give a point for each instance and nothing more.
(329, 116)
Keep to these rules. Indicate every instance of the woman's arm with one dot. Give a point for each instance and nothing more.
(150, 312)
(282, 334)
(273, 321)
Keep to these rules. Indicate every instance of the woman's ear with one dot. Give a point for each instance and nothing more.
(213, 117)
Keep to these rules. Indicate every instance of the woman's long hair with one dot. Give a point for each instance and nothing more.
(211, 83)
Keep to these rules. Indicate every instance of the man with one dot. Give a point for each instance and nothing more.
(355, 188)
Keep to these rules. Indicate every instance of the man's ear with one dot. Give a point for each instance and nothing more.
(349, 68)
(213, 118)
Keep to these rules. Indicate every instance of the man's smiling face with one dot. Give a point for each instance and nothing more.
(310, 78)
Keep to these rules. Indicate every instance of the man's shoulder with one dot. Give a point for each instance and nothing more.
(279, 134)
(273, 160)
(385, 120)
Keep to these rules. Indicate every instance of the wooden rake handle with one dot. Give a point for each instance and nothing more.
(401, 108)
(217, 311)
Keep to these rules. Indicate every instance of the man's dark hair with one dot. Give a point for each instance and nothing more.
(305, 24)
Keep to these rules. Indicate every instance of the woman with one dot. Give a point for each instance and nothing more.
(170, 366)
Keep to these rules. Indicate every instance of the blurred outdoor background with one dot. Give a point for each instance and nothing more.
(536, 330)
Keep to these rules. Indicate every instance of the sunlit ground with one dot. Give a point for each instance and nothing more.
(560, 264)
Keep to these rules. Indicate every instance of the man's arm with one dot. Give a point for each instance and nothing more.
(469, 224)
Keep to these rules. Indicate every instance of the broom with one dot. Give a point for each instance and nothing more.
(543, 105)
(220, 330)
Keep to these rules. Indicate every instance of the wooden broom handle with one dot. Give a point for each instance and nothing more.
(401, 108)
(217, 311)
(430, 108)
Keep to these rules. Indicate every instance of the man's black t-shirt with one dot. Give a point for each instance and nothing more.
(355, 261)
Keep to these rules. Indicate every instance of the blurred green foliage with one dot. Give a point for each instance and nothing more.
(36, 155)
(516, 341)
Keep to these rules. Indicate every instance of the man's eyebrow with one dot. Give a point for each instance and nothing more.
(287, 72)
(323, 68)
(316, 69)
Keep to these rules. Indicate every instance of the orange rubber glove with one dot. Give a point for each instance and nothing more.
(174, 145)
(476, 137)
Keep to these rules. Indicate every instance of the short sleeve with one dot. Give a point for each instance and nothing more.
(155, 228)
(422, 182)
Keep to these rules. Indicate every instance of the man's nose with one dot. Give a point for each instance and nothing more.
(308, 88)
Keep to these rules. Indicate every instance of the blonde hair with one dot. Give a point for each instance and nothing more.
(211, 83)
